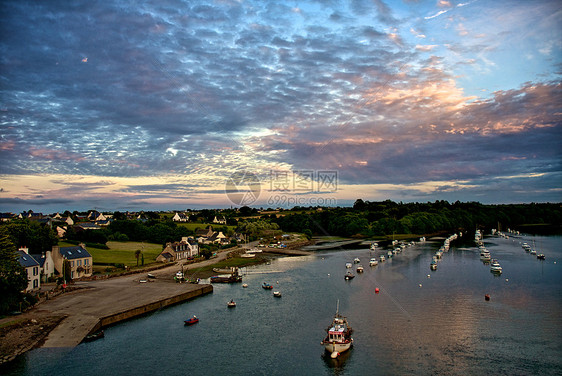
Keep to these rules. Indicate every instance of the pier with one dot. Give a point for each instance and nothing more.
(102, 303)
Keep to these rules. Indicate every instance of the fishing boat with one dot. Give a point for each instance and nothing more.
(348, 265)
(373, 262)
(231, 304)
(191, 321)
(495, 267)
(356, 260)
(360, 268)
(277, 294)
(382, 258)
(348, 276)
(374, 246)
(433, 265)
(541, 256)
(338, 338)
(266, 286)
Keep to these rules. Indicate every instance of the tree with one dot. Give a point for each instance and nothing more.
(13, 277)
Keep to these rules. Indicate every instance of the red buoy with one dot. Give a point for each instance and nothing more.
(376, 290)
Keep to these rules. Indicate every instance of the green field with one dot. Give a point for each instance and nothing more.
(124, 253)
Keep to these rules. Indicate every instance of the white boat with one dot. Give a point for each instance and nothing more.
(389, 254)
(245, 285)
(360, 268)
(495, 267)
(338, 339)
(373, 262)
(382, 258)
(348, 265)
(231, 304)
(433, 265)
(485, 255)
(356, 260)
(374, 246)
(277, 294)
(254, 250)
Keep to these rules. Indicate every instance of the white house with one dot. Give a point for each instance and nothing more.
(32, 269)
(221, 220)
(180, 217)
(46, 264)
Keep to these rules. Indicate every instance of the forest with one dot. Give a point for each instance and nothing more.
(380, 218)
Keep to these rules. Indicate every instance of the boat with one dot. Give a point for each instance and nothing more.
(266, 286)
(356, 260)
(231, 304)
(533, 251)
(245, 285)
(151, 276)
(389, 254)
(277, 294)
(541, 256)
(248, 255)
(433, 265)
(348, 265)
(485, 255)
(234, 277)
(348, 276)
(495, 267)
(93, 337)
(374, 246)
(360, 268)
(382, 258)
(338, 338)
(373, 262)
(191, 321)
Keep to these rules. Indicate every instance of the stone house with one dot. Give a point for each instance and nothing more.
(184, 249)
(81, 263)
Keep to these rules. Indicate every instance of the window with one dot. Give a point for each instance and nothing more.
(86, 262)
(71, 275)
(35, 283)
(78, 262)
(35, 270)
(72, 264)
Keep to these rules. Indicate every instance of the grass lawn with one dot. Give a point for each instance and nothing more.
(124, 253)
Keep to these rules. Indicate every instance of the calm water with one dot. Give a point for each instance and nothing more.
(443, 327)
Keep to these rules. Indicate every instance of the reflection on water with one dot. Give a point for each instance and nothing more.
(415, 325)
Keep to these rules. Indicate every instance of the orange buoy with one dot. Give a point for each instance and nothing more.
(487, 296)
(376, 290)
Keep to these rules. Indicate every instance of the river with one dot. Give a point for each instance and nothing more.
(422, 322)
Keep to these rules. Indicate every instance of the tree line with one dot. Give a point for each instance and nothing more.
(378, 218)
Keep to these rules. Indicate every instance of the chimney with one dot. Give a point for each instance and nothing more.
(25, 249)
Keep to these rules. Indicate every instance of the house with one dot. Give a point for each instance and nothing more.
(206, 232)
(5, 217)
(80, 261)
(86, 226)
(180, 217)
(221, 220)
(69, 221)
(61, 231)
(184, 249)
(95, 216)
(32, 269)
(46, 264)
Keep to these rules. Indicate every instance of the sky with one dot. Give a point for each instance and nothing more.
(168, 104)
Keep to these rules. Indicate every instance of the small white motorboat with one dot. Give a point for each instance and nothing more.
(373, 262)
(360, 268)
(277, 294)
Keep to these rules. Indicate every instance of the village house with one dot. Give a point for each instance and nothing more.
(31, 267)
(180, 217)
(46, 264)
(209, 236)
(80, 260)
(185, 249)
(219, 220)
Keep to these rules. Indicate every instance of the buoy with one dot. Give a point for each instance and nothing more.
(507, 279)
(376, 290)
(487, 297)
(429, 276)
(420, 285)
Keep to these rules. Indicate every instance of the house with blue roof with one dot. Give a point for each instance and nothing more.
(32, 268)
(80, 260)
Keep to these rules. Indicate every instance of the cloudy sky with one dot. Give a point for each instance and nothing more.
(119, 106)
